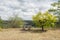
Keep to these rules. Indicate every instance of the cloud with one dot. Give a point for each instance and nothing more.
(25, 8)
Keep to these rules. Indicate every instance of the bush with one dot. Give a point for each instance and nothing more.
(15, 21)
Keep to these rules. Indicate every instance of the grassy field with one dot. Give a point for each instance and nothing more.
(18, 34)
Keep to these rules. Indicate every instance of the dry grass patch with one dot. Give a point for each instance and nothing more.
(18, 34)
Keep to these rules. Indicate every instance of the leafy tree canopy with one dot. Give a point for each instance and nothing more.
(46, 19)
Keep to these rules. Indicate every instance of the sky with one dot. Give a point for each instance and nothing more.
(24, 8)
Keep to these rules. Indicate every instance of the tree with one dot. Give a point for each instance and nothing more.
(56, 5)
(57, 9)
(15, 21)
(44, 20)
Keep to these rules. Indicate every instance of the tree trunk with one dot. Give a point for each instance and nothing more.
(42, 28)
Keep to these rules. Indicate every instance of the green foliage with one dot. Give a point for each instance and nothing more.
(52, 10)
(54, 4)
(57, 10)
(15, 21)
(1, 22)
(46, 19)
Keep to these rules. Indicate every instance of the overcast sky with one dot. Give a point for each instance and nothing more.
(24, 8)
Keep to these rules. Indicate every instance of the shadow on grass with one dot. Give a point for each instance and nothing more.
(38, 31)
(34, 31)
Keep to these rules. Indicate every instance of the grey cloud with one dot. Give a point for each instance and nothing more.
(25, 8)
